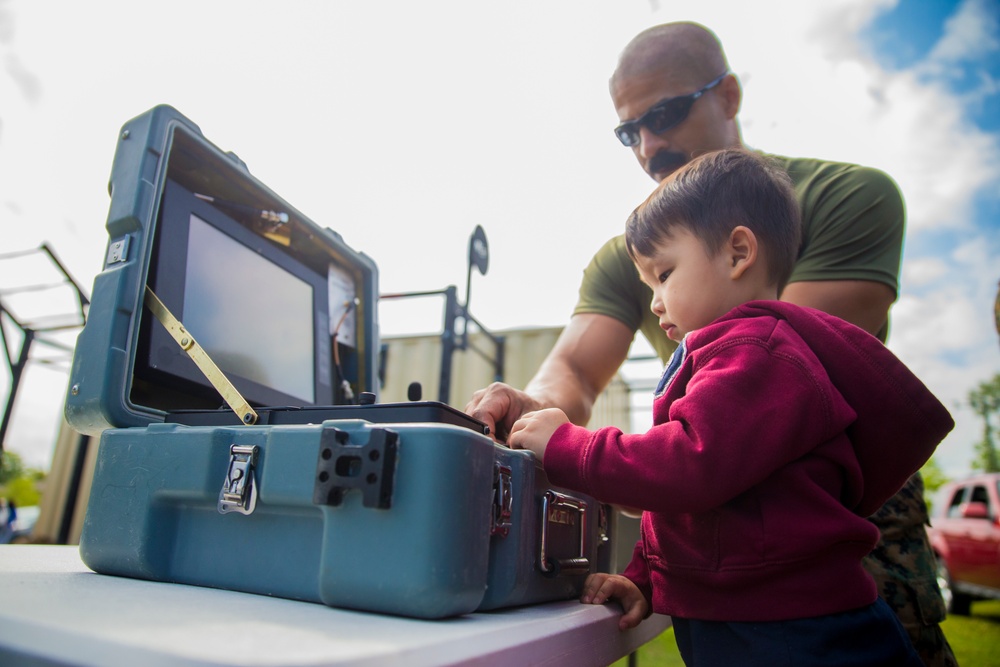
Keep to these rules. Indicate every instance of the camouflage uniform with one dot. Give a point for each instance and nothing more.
(905, 570)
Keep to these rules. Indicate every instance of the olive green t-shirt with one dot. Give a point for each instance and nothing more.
(853, 221)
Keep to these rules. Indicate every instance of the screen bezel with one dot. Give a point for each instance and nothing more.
(166, 375)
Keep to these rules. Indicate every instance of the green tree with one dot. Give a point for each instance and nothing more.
(934, 477)
(23, 491)
(985, 400)
(19, 483)
(11, 467)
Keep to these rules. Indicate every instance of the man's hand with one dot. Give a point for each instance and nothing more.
(533, 430)
(601, 587)
(499, 406)
(580, 365)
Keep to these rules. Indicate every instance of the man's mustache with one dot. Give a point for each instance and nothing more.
(666, 161)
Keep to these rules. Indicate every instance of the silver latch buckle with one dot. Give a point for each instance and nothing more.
(239, 493)
(503, 501)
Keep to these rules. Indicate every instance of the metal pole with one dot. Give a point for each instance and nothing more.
(500, 358)
(73, 491)
(447, 343)
(15, 372)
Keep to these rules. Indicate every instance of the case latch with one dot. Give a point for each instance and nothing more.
(239, 493)
(603, 531)
(563, 517)
(342, 466)
(503, 501)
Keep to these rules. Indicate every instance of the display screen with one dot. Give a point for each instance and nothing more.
(259, 313)
(271, 345)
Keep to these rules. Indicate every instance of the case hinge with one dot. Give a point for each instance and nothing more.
(239, 493)
(503, 501)
(117, 251)
(369, 468)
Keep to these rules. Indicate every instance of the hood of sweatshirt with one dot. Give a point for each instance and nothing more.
(899, 421)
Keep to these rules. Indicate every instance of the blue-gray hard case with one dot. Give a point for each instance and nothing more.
(354, 506)
(402, 525)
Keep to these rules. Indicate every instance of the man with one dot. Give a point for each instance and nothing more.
(676, 99)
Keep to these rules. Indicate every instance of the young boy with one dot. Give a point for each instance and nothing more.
(777, 430)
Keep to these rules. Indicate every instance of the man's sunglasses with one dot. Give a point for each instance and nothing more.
(663, 116)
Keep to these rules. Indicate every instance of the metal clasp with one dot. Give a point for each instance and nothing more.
(603, 532)
(503, 501)
(239, 493)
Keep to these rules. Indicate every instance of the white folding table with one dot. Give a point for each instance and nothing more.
(55, 611)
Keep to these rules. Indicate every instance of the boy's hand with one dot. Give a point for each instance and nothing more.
(601, 587)
(533, 430)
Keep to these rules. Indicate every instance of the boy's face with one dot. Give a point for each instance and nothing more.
(690, 288)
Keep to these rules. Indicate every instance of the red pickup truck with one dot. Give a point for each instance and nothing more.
(965, 535)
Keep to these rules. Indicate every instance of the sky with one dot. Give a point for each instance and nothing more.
(402, 125)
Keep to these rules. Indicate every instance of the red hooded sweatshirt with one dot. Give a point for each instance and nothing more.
(781, 429)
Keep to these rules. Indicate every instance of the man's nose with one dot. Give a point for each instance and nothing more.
(651, 143)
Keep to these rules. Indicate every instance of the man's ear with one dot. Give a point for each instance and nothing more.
(742, 250)
(729, 88)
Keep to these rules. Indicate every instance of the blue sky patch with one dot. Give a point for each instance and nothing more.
(905, 35)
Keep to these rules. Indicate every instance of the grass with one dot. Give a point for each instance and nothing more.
(660, 652)
(975, 639)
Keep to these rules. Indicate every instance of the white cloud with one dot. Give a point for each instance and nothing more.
(971, 34)
(923, 271)
(941, 321)
(26, 81)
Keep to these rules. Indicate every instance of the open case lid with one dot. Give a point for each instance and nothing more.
(285, 308)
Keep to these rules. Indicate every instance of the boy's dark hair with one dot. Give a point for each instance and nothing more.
(716, 192)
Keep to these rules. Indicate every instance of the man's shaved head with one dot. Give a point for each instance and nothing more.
(686, 53)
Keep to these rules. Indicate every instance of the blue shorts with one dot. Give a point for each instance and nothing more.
(866, 637)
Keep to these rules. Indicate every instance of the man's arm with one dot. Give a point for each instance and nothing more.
(853, 226)
(581, 364)
(863, 303)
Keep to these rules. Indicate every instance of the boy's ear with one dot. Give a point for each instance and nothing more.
(742, 251)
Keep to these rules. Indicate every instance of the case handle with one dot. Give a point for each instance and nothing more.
(559, 509)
